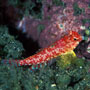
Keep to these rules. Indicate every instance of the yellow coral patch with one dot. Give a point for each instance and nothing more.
(66, 59)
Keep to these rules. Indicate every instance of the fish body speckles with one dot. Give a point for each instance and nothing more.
(65, 44)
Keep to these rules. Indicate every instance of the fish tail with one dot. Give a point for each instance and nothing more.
(11, 62)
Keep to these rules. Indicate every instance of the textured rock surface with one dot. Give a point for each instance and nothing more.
(57, 20)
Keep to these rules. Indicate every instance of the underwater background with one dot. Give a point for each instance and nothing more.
(26, 26)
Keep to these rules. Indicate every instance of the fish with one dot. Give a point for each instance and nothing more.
(65, 44)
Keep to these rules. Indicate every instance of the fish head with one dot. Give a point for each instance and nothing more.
(74, 38)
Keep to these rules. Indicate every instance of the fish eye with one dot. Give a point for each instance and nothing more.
(75, 39)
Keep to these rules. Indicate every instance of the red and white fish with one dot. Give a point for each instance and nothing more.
(66, 44)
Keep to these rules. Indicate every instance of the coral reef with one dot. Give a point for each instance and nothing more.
(9, 47)
(45, 21)
(58, 17)
(68, 73)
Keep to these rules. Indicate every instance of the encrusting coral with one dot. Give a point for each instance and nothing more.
(58, 18)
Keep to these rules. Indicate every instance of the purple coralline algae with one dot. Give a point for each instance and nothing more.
(57, 20)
